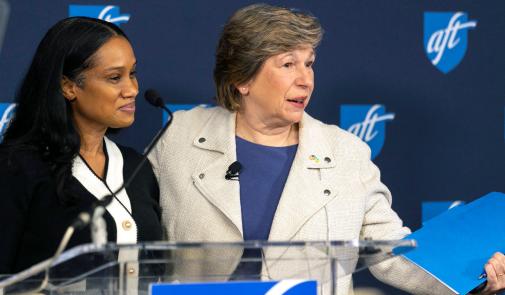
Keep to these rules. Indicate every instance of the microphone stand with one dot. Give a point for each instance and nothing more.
(98, 228)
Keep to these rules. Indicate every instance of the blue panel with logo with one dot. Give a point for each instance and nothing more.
(7, 110)
(445, 38)
(366, 122)
(287, 287)
(109, 13)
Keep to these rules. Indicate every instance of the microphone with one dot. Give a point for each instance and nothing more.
(233, 171)
(155, 99)
(98, 228)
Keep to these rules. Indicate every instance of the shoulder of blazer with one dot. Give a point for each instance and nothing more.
(189, 123)
(341, 141)
(131, 158)
(197, 116)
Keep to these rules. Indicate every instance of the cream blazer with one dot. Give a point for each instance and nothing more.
(333, 192)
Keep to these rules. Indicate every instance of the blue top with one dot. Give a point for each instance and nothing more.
(262, 178)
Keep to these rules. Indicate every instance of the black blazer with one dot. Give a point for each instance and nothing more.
(33, 220)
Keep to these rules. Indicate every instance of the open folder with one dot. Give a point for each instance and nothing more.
(455, 246)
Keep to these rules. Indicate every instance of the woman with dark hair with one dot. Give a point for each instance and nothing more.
(55, 158)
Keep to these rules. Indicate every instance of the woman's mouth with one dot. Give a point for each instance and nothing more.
(129, 108)
(298, 102)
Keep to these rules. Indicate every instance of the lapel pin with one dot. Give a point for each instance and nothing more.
(314, 159)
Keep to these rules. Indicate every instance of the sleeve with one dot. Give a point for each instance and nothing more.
(154, 188)
(382, 223)
(156, 155)
(13, 210)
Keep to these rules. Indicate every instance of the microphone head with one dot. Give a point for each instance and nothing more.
(154, 98)
(235, 167)
(233, 171)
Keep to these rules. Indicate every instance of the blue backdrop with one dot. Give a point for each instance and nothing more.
(423, 82)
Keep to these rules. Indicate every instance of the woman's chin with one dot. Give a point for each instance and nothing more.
(122, 123)
(294, 118)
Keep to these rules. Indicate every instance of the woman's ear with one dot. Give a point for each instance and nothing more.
(68, 89)
(243, 89)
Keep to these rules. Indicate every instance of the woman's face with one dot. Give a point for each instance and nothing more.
(281, 90)
(106, 97)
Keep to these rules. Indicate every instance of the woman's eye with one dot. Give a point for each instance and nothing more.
(115, 78)
(309, 64)
(288, 65)
(133, 74)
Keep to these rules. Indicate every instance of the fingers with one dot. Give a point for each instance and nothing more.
(492, 278)
(498, 263)
(495, 270)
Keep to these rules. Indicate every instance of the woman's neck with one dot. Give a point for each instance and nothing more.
(91, 136)
(91, 145)
(261, 132)
(91, 149)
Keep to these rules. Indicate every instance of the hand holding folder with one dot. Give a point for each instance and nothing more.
(455, 246)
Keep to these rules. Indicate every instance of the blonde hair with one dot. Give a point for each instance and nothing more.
(253, 34)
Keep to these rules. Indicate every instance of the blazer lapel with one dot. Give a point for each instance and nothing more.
(217, 139)
(305, 193)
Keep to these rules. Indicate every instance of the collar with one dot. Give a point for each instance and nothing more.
(125, 225)
(313, 147)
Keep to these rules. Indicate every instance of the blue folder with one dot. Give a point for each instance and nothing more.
(455, 246)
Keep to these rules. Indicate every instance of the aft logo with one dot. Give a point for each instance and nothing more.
(445, 38)
(7, 111)
(368, 122)
(108, 13)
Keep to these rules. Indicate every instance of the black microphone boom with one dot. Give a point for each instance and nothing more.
(154, 99)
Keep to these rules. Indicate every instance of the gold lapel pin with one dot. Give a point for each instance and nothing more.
(314, 159)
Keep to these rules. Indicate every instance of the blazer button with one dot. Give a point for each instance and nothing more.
(127, 225)
(131, 271)
(327, 159)
(201, 176)
(327, 192)
(201, 139)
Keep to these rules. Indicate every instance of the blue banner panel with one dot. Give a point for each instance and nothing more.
(288, 287)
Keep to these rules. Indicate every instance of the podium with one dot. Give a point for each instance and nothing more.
(132, 269)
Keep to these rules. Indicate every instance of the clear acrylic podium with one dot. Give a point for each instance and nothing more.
(130, 269)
